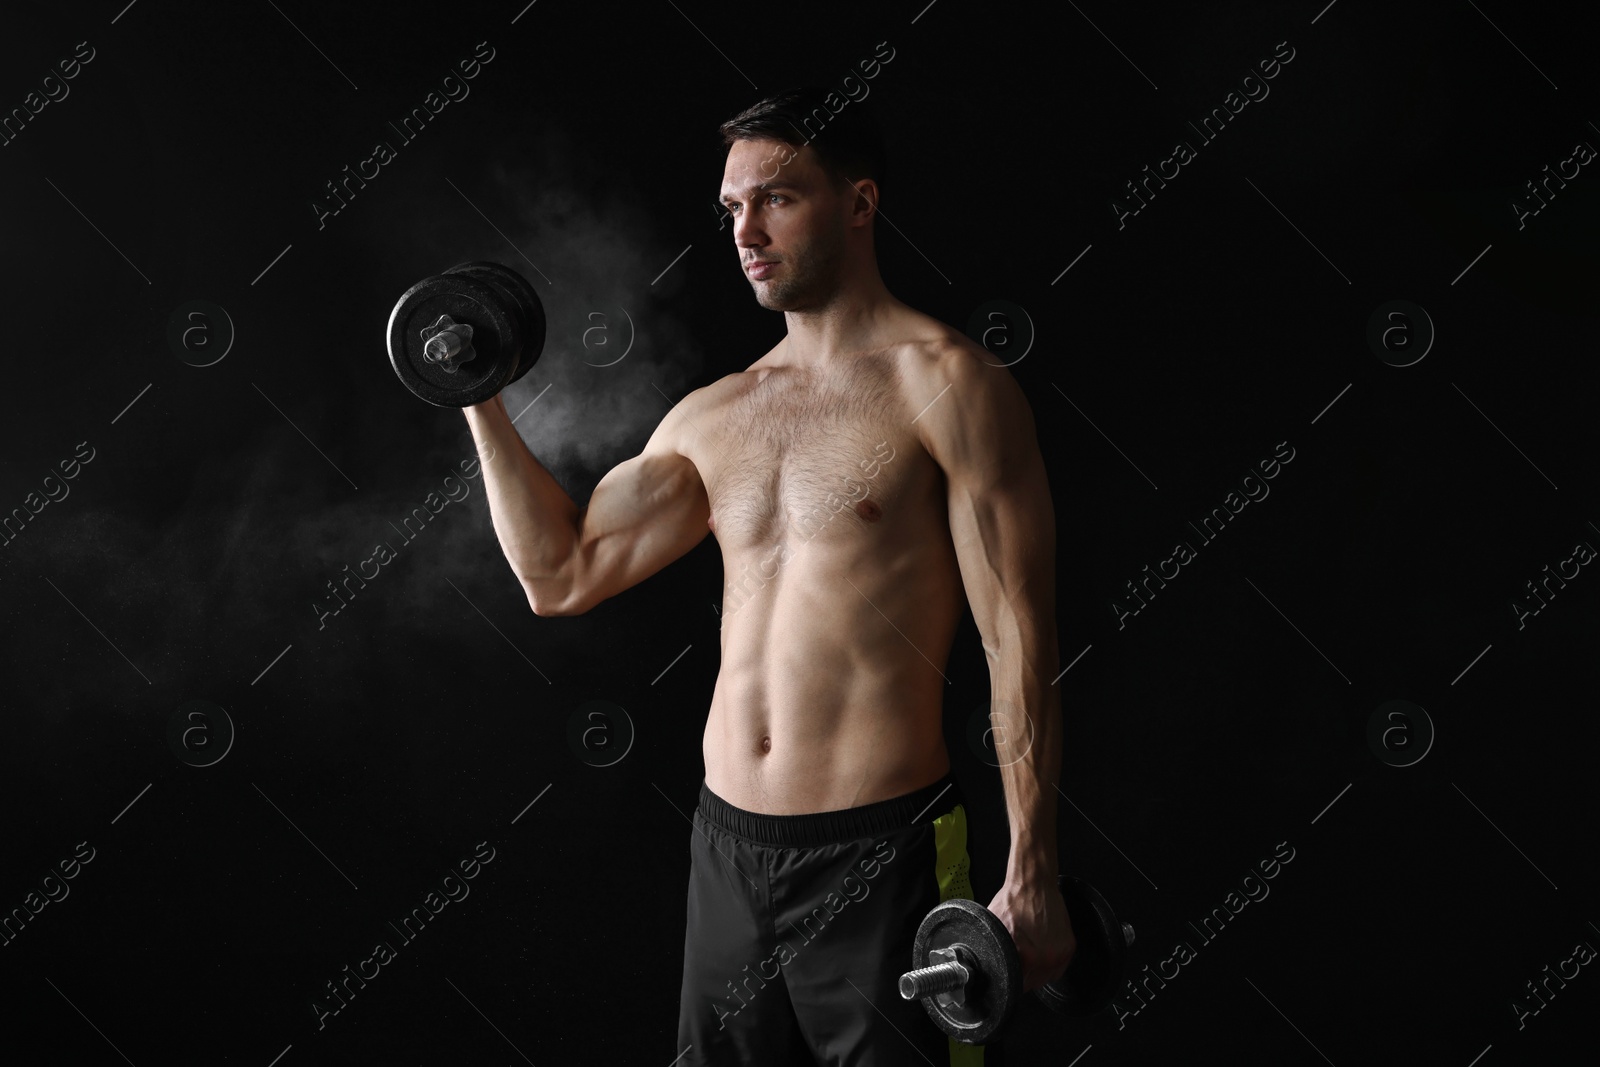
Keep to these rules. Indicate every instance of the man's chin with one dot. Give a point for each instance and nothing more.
(770, 300)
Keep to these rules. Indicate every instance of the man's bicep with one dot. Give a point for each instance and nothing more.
(643, 514)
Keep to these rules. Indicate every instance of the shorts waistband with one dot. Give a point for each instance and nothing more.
(828, 827)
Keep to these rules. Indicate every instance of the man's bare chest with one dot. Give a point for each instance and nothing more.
(803, 458)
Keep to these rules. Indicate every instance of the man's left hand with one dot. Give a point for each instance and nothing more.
(1036, 915)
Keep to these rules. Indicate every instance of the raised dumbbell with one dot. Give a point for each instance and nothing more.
(966, 971)
(458, 338)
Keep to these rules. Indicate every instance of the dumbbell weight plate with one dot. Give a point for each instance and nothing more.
(995, 989)
(1098, 965)
(497, 339)
(526, 300)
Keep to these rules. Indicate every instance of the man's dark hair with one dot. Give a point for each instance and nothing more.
(848, 142)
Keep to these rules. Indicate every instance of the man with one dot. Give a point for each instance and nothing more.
(861, 477)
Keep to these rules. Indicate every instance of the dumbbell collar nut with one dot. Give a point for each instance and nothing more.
(946, 976)
(447, 343)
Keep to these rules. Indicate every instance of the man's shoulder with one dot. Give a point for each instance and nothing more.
(695, 412)
(930, 346)
(959, 393)
(937, 357)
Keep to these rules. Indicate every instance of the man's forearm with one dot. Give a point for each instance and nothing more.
(534, 518)
(1021, 687)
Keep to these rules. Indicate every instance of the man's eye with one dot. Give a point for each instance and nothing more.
(774, 196)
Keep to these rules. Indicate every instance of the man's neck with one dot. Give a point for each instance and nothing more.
(855, 321)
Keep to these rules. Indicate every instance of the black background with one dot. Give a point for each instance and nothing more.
(374, 752)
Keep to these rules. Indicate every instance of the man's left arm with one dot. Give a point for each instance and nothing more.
(1002, 522)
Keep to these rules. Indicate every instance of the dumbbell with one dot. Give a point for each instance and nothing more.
(966, 971)
(458, 338)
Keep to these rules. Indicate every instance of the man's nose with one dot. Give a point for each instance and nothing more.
(747, 233)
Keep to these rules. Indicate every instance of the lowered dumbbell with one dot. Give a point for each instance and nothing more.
(966, 971)
(458, 338)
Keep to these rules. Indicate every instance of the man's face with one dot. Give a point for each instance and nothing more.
(786, 212)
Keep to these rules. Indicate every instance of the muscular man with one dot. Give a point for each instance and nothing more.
(864, 479)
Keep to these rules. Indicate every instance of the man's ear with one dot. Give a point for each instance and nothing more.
(865, 203)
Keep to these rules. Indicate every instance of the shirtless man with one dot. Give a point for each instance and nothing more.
(862, 478)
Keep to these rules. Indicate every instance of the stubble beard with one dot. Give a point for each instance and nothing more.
(808, 278)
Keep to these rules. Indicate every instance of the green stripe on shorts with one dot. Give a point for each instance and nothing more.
(951, 868)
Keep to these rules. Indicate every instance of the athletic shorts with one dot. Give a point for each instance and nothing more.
(801, 925)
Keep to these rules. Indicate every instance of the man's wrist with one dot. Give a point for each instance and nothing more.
(496, 402)
(1032, 865)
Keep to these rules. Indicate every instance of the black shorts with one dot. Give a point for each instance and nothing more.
(801, 925)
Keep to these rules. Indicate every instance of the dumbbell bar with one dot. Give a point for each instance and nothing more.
(966, 971)
(458, 338)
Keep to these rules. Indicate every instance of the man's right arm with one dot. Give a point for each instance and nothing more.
(645, 513)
